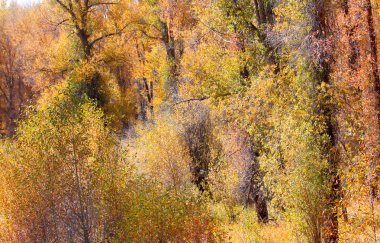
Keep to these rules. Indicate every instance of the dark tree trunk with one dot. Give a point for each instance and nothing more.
(373, 94)
(334, 193)
(149, 96)
(351, 28)
(171, 85)
(254, 192)
(11, 108)
(83, 36)
(257, 12)
(198, 138)
(331, 226)
(146, 100)
(253, 185)
(371, 100)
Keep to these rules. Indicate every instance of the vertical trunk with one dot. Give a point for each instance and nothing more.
(149, 96)
(82, 27)
(151, 107)
(331, 226)
(171, 85)
(83, 217)
(371, 98)
(372, 94)
(83, 36)
(373, 46)
(334, 193)
(351, 28)
(148, 86)
(253, 181)
(143, 102)
(11, 109)
(354, 55)
(263, 15)
(257, 12)
(197, 137)
(255, 193)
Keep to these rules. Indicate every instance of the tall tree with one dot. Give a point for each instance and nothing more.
(13, 88)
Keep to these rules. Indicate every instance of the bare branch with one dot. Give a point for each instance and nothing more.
(68, 9)
(203, 98)
(150, 36)
(60, 23)
(117, 32)
(191, 99)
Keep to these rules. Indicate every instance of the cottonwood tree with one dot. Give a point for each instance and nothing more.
(14, 89)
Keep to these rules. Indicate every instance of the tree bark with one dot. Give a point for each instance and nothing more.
(331, 223)
(11, 109)
(372, 93)
(371, 100)
(83, 216)
(256, 195)
(350, 30)
(171, 85)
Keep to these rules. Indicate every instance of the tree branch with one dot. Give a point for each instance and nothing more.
(191, 99)
(117, 32)
(150, 36)
(202, 98)
(69, 10)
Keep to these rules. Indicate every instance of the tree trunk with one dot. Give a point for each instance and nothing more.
(253, 182)
(331, 226)
(11, 109)
(372, 95)
(198, 135)
(350, 30)
(83, 217)
(256, 194)
(83, 36)
(334, 193)
(252, 187)
(371, 100)
(171, 85)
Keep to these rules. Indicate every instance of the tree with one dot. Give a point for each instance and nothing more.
(13, 88)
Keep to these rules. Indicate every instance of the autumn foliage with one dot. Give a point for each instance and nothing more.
(190, 121)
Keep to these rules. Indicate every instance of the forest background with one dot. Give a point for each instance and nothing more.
(190, 121)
